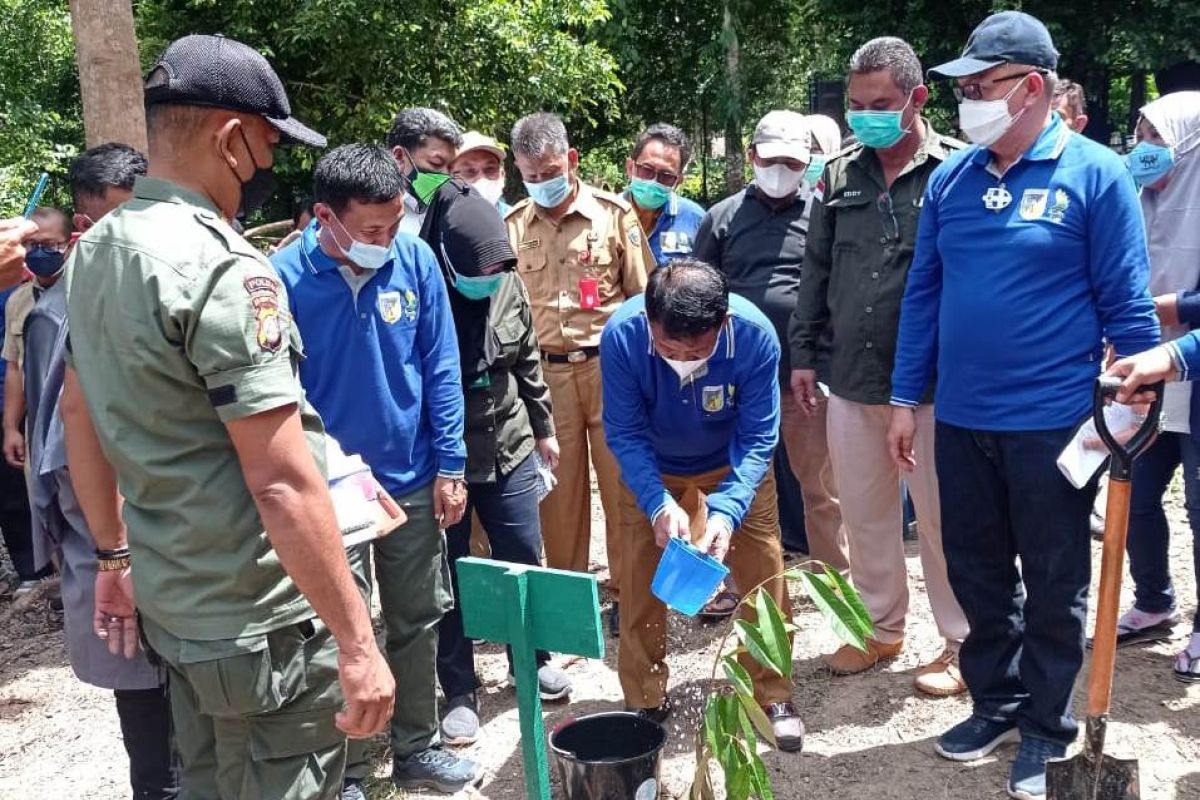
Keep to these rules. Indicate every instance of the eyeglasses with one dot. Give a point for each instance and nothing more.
(974, 91)
(884, 204)
(662, 176)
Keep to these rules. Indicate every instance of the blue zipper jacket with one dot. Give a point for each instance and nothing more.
(725, 414)
(381, 364)
(1016, 281)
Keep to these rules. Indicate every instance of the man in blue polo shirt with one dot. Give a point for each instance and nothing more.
(691, 412)
(382, 368)
(1030, 251)
(655, 170)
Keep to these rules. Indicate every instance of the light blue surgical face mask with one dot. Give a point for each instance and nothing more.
(878, 130)
(1149, 162)
(367, 256)
(478, 287)
(815, 167)
(551, 193)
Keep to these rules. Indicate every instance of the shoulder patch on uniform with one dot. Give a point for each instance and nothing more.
(264, 297)
(635, 234)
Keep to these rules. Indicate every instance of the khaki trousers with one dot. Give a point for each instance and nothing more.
(869, 482)
(755, 556)
(566, 513)
(804, 437)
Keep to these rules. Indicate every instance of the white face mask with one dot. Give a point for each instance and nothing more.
(685, 368)
(367, 256)
(491, 188)
(985, 121)
(777, 180)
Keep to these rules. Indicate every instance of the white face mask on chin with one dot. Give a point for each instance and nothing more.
(777, 180)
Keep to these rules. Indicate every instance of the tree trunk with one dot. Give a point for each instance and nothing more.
(110, 75)
(735, 161)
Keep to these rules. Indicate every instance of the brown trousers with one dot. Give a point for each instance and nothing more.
(566, 513)
(755, 556)
(808, 453)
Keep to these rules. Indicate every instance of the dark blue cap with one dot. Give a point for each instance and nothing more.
(1010, 37)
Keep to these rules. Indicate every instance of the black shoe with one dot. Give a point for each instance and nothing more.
(614, 620)
(352, 789)
(657, 714)
(435, 768)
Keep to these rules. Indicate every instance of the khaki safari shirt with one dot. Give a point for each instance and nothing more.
(598, 237)
(861, 239)
(16, 311)
(178, 325)
(508, 407)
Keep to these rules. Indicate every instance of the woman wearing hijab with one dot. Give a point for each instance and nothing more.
(1165, 165)
(508, 420)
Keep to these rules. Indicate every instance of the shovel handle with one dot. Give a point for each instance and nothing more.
(1124, 454)
(1108, 599)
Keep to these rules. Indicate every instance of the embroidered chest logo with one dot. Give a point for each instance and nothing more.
(997, 198)
(264, 298)
(1033, 203)
(1057, 211)
(713, 398)
(389, 307)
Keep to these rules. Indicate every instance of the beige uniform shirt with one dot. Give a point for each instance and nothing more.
(597, 238)
(16, 311)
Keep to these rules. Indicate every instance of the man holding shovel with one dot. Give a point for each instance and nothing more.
(1030, 251)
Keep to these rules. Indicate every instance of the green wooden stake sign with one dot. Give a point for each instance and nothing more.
(531, 609)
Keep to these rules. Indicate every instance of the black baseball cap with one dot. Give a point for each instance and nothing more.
(1010, 37)
(200, 70)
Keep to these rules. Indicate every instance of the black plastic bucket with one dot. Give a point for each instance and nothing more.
(610, 756)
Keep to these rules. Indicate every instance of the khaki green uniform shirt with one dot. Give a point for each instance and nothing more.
(178, 325)
(599, 237)
(507, 408)
(861, 239)
(16, 311)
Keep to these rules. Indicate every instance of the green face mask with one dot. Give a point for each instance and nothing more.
(478, 287)
(650, 195)
(424, 185)
(815, 168)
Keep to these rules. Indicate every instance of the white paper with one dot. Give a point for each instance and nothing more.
(353, 490)
(546, 479)
(1085, 454)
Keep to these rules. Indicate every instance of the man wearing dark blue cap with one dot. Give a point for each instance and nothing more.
(184, 355)
(1030, 252)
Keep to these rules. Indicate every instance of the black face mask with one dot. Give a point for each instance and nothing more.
(259, 188)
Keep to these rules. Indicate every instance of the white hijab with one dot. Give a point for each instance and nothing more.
(1173, 224)
(825, 132)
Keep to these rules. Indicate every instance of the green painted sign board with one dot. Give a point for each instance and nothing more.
(531, 609)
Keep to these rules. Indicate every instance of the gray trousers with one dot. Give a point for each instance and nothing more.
(414, 592)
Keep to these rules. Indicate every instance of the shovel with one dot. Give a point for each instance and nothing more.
(1091, 775)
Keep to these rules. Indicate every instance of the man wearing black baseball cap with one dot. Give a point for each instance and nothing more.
(186, 361)
(1030, 253)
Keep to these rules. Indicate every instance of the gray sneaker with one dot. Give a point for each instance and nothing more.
(460, 726)
(436, 769)
(553, 683)
(352, 790)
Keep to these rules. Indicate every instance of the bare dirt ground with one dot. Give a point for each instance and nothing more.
(869, 735)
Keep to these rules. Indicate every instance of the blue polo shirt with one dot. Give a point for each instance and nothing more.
(674, 233)
(381, 359)
(725, 414)
(1016, 280)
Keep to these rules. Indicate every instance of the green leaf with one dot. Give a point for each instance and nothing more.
(712, 724)
(758, 718)
(837, 612)
(775, 637)
(853, 599)
(737, 676)
(760, 781)
(752, 639)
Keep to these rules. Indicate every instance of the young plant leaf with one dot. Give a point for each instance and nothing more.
(737, 676)
(835, 610)
(758, 718)
(712, 724)
(775, 637)
(760, 782)
(853, 599)
(752, 639)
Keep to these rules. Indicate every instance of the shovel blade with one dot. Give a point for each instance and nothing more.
(1083, 777)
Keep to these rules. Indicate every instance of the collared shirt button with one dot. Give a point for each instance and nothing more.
(490, 429)
(870, 345)
(868, 309)
(883, 240)
(875, 275)
(362, 316)
(562, 260)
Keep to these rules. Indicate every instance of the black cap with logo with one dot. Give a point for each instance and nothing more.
(202, 70)
(1010, 37)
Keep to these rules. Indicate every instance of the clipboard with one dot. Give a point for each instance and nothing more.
(364, 509)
